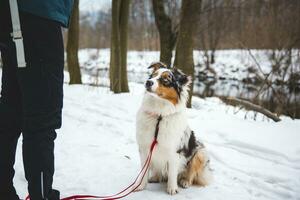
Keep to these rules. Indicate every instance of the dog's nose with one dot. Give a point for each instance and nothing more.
(149, 84)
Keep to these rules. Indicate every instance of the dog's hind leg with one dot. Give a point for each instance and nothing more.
(197, 171)
(187, 177)
(204, 176)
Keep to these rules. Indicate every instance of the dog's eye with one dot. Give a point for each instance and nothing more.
(165, 81)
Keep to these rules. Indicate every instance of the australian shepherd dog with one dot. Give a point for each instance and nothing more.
(179, 158)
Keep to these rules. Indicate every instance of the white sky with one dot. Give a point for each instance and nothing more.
(94, 5)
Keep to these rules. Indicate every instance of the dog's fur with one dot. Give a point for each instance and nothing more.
(178, 157)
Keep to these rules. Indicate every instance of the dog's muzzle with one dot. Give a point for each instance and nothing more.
(148, 85)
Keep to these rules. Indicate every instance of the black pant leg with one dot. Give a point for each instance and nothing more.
(9, 136)
(10, 108)
(41, 84)
(38, 156)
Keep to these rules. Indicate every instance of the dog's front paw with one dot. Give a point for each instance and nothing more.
(172, 190)
(154, 179)
(140, 188)
(184, 183)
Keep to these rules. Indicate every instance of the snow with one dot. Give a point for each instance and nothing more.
(96, 150)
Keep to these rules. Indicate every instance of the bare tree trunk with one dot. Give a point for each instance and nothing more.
(115, 48)
(167, 35)
(72, 46)
(124, 15)
(118, 56)
(184, 60)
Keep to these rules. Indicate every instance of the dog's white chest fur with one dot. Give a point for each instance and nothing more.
(171, 131)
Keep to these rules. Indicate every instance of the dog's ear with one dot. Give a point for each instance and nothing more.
(157, 65)
(181, 77)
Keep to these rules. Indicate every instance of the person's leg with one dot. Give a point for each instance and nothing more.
(10, 109)
(38, 156)
(9, 134)
(41, 84)
(8, 143)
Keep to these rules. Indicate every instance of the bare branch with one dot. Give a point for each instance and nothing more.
(251, 106)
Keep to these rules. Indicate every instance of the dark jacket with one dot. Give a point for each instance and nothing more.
(57, 10)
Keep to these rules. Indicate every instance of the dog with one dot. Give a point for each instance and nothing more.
(178, 158)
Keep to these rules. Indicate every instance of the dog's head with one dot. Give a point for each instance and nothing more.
(167, 83)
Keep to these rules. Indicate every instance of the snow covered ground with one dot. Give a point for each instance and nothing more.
(96, 150)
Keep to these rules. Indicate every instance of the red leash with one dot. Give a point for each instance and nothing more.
(126, 191)
(131, 188)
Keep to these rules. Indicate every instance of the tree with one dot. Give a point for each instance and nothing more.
(118, 50)
(190, 11)
(167, 34)
(72, 46)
